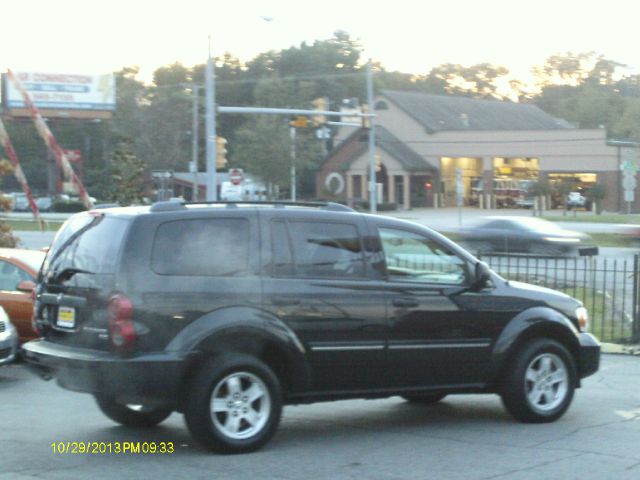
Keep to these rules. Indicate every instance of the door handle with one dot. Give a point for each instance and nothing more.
(405, 302)
(282, 301)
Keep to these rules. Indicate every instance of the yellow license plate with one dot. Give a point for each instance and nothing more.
(66, 317)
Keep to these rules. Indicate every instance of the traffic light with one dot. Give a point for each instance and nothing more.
(378, 163)
(366, 121)
(221, 152)
(300, 121)
(320, 104)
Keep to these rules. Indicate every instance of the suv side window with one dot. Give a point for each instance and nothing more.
(316, 249)
(207, 247)
(416, 258)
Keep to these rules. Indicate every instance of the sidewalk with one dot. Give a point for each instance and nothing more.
(621, 349)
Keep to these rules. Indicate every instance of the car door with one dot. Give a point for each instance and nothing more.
(318, 283)
(438, 333)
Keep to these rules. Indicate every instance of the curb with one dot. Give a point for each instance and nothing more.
(620, 349)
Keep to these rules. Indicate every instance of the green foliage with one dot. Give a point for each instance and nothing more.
(596, 194)
(7, 239)
(264, 149)
(540, 188)
(127, 176)
(62, 206)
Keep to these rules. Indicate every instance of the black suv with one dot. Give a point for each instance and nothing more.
(226, 312)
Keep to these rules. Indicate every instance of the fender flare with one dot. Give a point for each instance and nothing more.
(536, 322)
(249, 326)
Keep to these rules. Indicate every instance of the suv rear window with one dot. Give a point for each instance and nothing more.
(88, 241)
(206, 247)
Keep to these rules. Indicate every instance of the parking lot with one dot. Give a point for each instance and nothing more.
(466, 437)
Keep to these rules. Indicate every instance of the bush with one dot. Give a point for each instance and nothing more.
(364, 205)
(68, 207)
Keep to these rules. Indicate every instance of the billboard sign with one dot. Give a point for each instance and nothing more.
(62, 95)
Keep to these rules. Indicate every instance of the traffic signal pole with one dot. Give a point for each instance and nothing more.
(212, 181)
(292, 134)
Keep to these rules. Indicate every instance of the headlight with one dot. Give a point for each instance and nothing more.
(583, 318)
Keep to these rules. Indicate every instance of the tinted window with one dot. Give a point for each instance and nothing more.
(281, 249)
(88, 242)
(208, 247)
(319, 250)
(413, 257)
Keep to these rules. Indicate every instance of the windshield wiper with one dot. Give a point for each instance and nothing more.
(68, 242)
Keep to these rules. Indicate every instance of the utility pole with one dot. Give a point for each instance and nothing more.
(212, 181)
(292, 135)
(194, 143)
(373, 190)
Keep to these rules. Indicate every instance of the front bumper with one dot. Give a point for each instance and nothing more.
(147, 378)
(8, 347)
(589, 355)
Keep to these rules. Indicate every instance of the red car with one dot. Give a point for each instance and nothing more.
(18, 271)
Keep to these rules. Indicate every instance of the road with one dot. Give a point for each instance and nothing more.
(465, 437)
(452, 219)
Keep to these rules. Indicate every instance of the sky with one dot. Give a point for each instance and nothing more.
(91, 37)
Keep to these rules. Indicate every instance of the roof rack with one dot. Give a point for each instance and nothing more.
(173, 205)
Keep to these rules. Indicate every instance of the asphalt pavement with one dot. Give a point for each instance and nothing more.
(467, 437)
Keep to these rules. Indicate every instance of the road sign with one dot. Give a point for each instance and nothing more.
(459, 188)
(629, 182)
(236, 176)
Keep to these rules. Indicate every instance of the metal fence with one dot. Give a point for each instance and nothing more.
(608, 287)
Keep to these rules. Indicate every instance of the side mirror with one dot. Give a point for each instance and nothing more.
(26, 286)
(481, 277)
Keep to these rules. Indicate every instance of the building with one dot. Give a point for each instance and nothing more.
(429, 147)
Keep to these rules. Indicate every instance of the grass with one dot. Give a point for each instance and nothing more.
(32, 226)
(591, 218)
(600, 239)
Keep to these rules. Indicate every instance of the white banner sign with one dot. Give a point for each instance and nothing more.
(63, 91)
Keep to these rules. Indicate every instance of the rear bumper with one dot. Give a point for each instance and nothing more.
(589, 355)
(147, 378)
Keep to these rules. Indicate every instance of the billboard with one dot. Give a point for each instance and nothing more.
(62, 95)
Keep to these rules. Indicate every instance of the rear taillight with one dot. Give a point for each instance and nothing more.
(34, 314)
(122, 329)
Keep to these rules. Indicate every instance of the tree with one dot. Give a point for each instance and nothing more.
(483, 80)
(127, 174)
(7, 239)
(565, 69)
(596, 194)
(264, 149)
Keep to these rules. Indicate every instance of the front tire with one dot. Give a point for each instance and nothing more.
(539, 386)
(234, 404)
(137, 416)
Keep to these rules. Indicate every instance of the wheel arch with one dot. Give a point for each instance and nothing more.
(531, 324)
(246, 331)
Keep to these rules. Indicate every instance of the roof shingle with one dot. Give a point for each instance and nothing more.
(438, 113)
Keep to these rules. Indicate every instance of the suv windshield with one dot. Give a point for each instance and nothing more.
(87, 242)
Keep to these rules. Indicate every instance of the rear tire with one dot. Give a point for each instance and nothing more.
(426, 399)
(132, 415)
(539, 386)
(234, 404)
